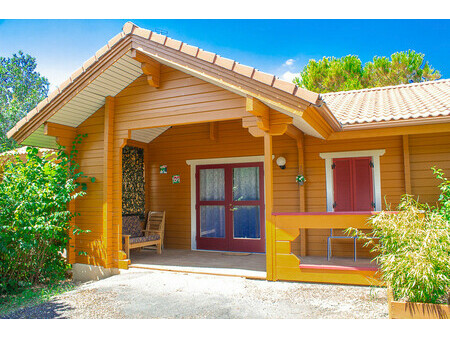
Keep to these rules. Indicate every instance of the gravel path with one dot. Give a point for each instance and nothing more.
(140, 293)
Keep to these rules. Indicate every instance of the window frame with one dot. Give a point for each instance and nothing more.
(376, 175)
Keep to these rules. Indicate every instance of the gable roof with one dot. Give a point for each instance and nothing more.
(394, 103)
(112, 69)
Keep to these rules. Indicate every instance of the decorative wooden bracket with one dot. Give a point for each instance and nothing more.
(264, 119)
(65, 135)
(150, 67)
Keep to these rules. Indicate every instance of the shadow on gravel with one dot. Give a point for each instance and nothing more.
(49, 310)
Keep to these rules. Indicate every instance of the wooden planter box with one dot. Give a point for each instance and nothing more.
(408, 310)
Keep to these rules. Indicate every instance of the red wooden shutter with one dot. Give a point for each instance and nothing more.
(362, 183)
(342, 177)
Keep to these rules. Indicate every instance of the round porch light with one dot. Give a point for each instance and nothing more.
(281, 162)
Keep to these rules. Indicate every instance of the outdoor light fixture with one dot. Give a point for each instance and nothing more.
(281, 162)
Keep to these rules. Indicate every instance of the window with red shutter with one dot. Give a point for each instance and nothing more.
(353, 185)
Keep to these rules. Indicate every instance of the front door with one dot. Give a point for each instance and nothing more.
(230, 207)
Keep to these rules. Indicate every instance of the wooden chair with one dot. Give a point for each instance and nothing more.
(156, 221)
(135, 237)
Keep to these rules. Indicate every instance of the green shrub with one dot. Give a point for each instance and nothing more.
(34, 220)
(444, 197)
(413, 251)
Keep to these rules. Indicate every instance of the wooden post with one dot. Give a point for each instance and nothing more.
(406, 164)
(302, 193)
(147, 175)
(108, 144)
(270, 226)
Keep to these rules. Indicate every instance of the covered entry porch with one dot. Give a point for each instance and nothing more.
(183, 149)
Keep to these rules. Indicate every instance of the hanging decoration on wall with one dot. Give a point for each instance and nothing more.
(176, 179)
(300, 179)
(163, 169)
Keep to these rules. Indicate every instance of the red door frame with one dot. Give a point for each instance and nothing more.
(229, 243)
(353, 180)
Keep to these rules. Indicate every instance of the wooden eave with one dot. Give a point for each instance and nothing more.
(177, 55)
(71, 87)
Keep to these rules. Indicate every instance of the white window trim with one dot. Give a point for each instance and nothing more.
(374, 154)
(193, 164)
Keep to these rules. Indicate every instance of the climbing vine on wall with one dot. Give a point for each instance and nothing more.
(133, 183)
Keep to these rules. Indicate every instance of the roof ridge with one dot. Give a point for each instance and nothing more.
(403, 85)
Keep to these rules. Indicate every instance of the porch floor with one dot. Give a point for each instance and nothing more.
(229, 263)
(206, 262)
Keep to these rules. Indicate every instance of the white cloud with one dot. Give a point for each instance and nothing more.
(288, 76)
(289, 62)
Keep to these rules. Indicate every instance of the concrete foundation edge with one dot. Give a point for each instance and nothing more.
(86, 272)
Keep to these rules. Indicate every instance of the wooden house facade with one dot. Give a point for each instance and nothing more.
(212, 130)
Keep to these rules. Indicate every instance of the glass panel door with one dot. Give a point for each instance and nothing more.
(230, 207)
(247, 218)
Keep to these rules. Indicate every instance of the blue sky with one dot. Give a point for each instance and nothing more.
(280, 47)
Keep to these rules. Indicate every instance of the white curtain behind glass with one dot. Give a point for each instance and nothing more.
(212, 184)
(246, 184)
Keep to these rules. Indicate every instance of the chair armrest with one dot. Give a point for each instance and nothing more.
(126, 236)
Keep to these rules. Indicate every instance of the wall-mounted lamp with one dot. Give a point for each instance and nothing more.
(281, 162)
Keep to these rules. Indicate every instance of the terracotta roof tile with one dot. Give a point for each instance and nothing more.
(288, 87)
(101, 52)
(406, 101)
(207, 56)
(128, 27)
(263, 77)
(158, 38)
(64, 84)
(41, 104)
(224, 62)
(89, 63)
(190, 50)
(31, 114)
(144, 33)
(115, 39)
(76, 73)
(53, 94)
(243, 69)
(172, 43)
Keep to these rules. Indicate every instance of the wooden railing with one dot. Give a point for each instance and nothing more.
(286, 265)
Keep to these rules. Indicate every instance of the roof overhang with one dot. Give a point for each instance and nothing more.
(114, 67)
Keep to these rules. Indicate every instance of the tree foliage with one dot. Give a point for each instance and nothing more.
(21, 89)
(34, 220)
(332, 74)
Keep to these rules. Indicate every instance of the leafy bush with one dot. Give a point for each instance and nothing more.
(413, 251)
(444, 197)
(34, 220)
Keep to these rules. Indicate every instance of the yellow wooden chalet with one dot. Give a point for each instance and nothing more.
(239, 160)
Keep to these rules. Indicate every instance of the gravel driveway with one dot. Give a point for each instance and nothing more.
(139, 293)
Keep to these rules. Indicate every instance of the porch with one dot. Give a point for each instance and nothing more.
(295, 244)
(247, 265)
